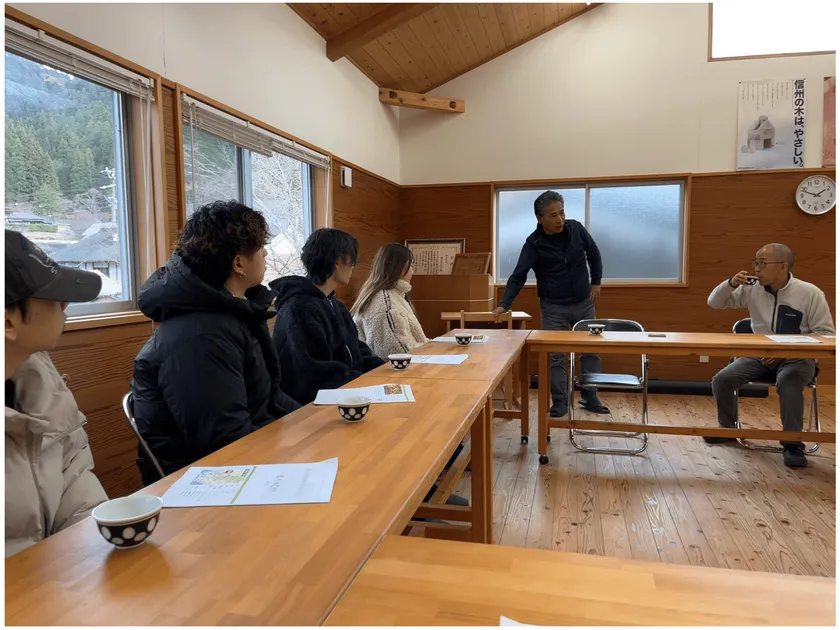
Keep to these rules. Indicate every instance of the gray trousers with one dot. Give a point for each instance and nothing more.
(791, 376)
(563, 317)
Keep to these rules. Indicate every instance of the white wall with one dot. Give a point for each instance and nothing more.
(624, 89)
(261, 59)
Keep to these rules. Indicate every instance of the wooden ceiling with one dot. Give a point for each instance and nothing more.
(418, 47)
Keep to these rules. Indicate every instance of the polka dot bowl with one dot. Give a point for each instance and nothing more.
(129, 521)
(399, 361)
(353, 408)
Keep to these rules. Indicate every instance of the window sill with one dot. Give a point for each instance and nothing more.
(87, 322)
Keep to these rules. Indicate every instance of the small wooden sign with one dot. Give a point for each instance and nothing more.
(471, 264)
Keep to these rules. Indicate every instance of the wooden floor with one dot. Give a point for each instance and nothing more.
(681, 502)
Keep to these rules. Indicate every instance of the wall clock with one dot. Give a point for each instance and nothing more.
(816, 194)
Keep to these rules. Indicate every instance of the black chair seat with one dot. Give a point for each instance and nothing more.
(624, 381)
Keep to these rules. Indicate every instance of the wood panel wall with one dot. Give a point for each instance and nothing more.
(731, 216)
(370, 211)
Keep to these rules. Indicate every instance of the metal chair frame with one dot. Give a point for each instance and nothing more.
(128, 410)
(744, 327)
(573, 381)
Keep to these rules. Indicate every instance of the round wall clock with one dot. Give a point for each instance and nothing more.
(816, 194)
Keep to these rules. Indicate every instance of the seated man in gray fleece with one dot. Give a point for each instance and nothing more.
(778, 304)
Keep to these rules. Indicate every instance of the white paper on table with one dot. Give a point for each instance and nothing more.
(265, 484)
(394, 393)
(792, 339)
(827, 336)
(504, 621)
(439, 359)
(475, 339)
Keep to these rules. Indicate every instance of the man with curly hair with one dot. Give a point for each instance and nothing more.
(209, 375)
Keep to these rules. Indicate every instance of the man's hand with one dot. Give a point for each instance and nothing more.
(739, 279)
(595, 294)
(501, 310)
(770, 362)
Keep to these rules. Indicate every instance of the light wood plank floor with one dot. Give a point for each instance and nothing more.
(682, 501)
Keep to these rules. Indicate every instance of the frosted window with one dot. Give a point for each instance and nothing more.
(516, 220)
(637, 229)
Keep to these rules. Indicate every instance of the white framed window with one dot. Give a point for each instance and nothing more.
(70, 174)
(758, 29)
(639, 227)
(228, 158)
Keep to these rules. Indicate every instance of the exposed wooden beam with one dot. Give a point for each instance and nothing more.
(389, 18)
(399, 98)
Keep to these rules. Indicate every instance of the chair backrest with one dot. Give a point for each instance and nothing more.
(611, 325)
(505, 318)
(743, 327)
(128, 410)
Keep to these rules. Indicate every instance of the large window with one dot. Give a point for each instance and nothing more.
(639, 228)
(68, 175)
(757, 28)
(225, 160)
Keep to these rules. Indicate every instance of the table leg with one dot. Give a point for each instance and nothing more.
(525, 394)
(479, 475)
(508, 386)
(448, 325)
(543, 395)
(488, 470)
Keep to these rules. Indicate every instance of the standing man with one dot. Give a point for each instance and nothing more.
(563, 255)
(778, 304)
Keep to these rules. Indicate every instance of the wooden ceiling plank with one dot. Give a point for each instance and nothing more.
(472, 20)
(428, 40)
(523, 21)
(417, 78)
(370, 68)
(418, 53)
(490, 22)
(460, 33)
(381, 56)
(517, 43)
(341, 14)
(357, 36)
(363, 10)
(440, 29)
(537, 16)
(315, 15)
(504, 13)
(401, 98)
(551, 11)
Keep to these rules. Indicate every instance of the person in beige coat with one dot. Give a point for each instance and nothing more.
(384, 317)
(49, 467)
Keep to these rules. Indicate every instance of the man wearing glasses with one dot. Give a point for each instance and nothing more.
(778, 304)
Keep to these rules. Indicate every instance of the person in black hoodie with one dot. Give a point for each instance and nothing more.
(209, 374)
(315, 336)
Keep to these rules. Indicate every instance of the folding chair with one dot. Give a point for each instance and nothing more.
(744, 327)
(128, 410)
(628, 382)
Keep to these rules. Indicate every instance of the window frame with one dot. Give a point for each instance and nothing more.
(684, 182)
(712, 58)
(127, 219)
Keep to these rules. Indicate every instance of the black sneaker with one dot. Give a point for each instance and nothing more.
(718, 440)
(794, 457)
(562, 412)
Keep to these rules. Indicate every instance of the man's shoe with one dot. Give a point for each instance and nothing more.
(794, 457)
(561, 412)
(718, 440)
(595, 406)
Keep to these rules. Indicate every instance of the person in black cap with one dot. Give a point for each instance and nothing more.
(49, 467)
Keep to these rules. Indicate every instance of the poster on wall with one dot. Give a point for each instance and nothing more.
(771, 124)
(829, 123)
(436, 256)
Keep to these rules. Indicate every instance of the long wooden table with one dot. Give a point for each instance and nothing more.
(264, 565)
(418, 582)
(543, 342)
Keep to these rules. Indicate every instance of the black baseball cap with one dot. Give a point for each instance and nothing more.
(30, 273)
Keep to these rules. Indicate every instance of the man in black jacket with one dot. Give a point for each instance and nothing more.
(209, 375)
(559, 251)
(316, 339)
